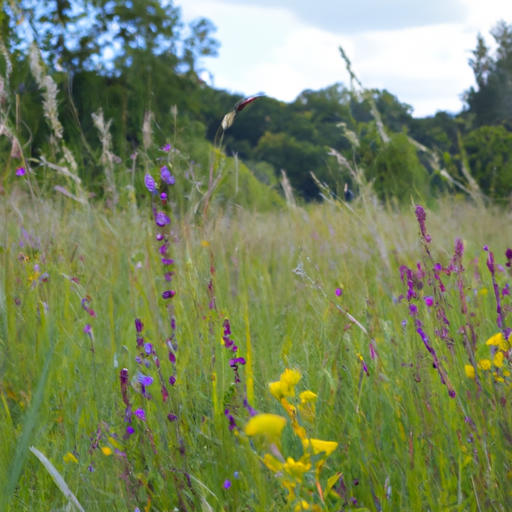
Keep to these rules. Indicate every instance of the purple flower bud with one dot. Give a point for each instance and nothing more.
(163, 196)
(486, 248)
(166, 176)
(159, 236)
(139, 413)
(148, 348)
(169, 294)
(138, 325)
(138, 360)
(172, 417)
(88, 329)
(168, 276)
(172, 380)
(167, 261)
(161, 219)
(422, 217)
(166, 148)
(413, 310)
(338, 292)
(150, 183)
(227, 484)
(20, 171)
(172, 357)
(130, 430)
(237, 360)
(429, 301)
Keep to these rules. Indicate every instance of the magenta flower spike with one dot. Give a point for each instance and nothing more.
(422, 217)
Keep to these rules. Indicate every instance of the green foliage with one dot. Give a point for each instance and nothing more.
(489, 151)
(397, 171)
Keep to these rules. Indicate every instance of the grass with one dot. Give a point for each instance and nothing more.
(403, 443)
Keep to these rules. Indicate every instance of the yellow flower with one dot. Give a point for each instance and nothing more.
(69, 457)
(270, 425)
(205, 243)
(498, 340)
(497, 378)
(308, 397)
(276, 389)
(483, 292)
(106, 450)
(296, 468)
(470, 371)
(484, 364)
(320, 446)
(272, 463)
(303, 505)
(498, 360)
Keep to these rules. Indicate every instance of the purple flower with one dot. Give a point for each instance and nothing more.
(161, 219)
(166, 148)
(88, 329)
(338, 292)
(172, 357)
(163, 249)
(145, 380)
(413, 310)
(486, 248)
(172, 380)
(422, 217)
(150, 183)
(169, 294)
(168, 276)
(20, 171)
(130, 430)
(166, 176)
(172, 417)
(429, 301)
(140, 414)
(159, 236)
(237, 360)
(163, 196)
(404, 323)
(138, 325)
(167, 261)
(123, 378)
(148, 348)
(227, 484)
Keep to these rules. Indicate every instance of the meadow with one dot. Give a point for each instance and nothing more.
(308, 358)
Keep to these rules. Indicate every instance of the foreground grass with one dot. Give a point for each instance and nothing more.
(403, 442)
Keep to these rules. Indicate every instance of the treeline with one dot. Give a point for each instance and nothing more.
(135, 58)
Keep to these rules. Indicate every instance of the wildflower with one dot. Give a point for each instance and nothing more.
(167, 261)
(338, 292)
(138, 326)
(166, 176)
(145, 380)
(172, 357)
(286, 384)
(106, 450)
(139, 413)
(227, 484)
(470, 371)
(88, 329)
(20, 171)
(484, 364)
(166, 148)
(429, 301)
(172, 417)
(498, 340)
(270, 425)
(272, 463)
(422, 217)
(161, 219)
(168, 276)
(169, 294)
(150, 183)
(498, 360)
(172, 380)
(319, 446)
(296, 468)
(159, 237)
(308, 397)
(69, 457)
(413, 309)
(130, 430)
(148, 348)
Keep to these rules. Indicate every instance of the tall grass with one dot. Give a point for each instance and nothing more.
(403, 442)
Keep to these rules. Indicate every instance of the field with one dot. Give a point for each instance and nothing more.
(385, 394)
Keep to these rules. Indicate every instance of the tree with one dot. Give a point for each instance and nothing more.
(491, 101)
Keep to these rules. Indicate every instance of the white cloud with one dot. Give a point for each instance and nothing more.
(272, 49)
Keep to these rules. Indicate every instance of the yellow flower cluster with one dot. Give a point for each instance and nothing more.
(498, 340)
(292, 473)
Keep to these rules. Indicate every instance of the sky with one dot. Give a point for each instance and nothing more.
(416, 49)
